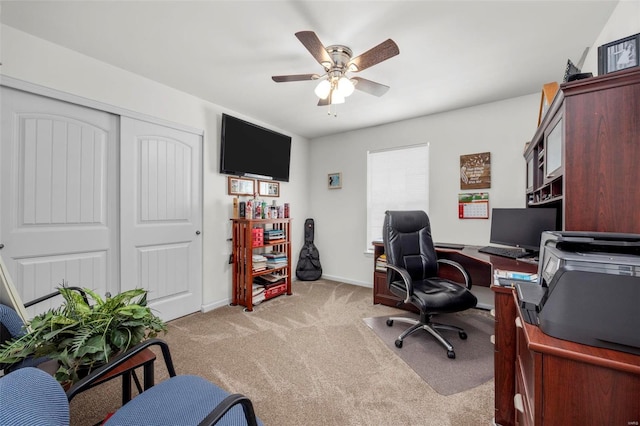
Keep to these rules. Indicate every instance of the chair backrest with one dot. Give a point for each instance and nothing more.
(408, 243)
(10, 323)
(30, 397)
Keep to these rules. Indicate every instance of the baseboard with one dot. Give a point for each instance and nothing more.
(347, 281)
(214, 305)
(220, 303)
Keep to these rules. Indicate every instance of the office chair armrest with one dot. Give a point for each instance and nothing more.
(227, 404)
(408, 282)
(54, 294)
(460, 268)
(90, 380)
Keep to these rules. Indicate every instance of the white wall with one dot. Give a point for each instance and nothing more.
(623, 22)
(501, 128)
(38, 61)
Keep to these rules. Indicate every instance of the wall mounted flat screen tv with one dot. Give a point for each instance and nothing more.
(521, 227)
(250, 150)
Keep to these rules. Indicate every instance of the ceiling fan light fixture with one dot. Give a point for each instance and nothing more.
(345, 86)
(336, 97)
(322, 89)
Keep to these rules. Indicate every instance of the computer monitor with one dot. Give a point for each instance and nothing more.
(521, 227)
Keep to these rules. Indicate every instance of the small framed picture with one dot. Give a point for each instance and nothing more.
(241, 186)
(268, 188)
(335, 180)
(619, 55)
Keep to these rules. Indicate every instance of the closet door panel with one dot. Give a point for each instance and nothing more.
(161, 215)
(58, 194)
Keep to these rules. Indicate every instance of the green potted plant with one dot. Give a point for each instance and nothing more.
(84, 333)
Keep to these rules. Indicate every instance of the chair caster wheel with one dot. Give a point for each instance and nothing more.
(399, 343)
(389, 322)
(463, 335)
(451, 354)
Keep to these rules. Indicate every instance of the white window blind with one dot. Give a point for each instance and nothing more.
(397, 179)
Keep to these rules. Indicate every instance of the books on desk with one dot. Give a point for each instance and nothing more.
(504, 278)
(381, 263)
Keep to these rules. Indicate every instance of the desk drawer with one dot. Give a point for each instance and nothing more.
(525, 368)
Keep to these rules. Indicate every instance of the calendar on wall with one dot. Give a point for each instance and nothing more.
(473, 205)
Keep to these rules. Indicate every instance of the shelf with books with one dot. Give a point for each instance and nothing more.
(261, 260)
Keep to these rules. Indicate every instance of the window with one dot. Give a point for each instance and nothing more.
(397, 179)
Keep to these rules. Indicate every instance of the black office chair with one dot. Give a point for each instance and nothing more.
(413, 276)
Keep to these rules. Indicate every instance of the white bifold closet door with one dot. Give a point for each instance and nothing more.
(100, 201)
(58, 195)
(161, 215)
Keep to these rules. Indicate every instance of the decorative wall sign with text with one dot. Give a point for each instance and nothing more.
(475, 171)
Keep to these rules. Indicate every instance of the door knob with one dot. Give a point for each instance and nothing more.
(197, 232)
(1, 246)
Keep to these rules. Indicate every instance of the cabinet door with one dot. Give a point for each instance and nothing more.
(554, 149)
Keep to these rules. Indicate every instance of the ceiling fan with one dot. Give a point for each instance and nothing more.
(335, 85)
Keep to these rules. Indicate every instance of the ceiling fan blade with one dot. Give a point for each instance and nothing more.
(370, 87)
(313, 44)
(323, 102)
(385, 50)
(295, 77)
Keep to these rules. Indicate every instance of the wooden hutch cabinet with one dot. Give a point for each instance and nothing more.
(583, 159)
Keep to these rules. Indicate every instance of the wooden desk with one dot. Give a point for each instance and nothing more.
(480, 267)
(558, 382)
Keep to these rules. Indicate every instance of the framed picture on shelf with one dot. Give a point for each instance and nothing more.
(619, 55)
(335, 180)
(268, 188)
(241, 186)
(549, 91)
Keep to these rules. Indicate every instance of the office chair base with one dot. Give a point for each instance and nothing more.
(430, 327)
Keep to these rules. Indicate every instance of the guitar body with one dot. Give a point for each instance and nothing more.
(309, 268)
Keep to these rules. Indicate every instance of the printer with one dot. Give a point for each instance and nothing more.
(588, 289)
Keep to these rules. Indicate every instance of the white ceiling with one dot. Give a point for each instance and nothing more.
(453, 54)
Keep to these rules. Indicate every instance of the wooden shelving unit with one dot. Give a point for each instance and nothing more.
(245, 247)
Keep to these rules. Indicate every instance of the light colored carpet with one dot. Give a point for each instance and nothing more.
(305, 359)
(473, 364)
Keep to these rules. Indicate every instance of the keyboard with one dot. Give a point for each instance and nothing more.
(513, 253)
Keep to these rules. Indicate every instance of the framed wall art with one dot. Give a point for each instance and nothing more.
(475, 171)
(240, 186)
(268, 188)
(335, 180)
(619, 55)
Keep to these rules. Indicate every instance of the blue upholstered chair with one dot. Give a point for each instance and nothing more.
(11, 326)
(31, 397)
